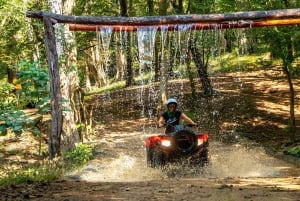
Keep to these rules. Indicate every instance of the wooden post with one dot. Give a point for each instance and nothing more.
(55, 92)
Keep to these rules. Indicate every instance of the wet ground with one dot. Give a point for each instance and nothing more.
(235, 172)
(121, 157)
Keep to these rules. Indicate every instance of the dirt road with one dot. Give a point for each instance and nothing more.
(255, 189)
(237, 169)
(119, 172)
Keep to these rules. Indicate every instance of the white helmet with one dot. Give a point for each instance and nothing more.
(171, 100)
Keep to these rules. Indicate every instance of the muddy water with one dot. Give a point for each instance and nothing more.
(122, 157)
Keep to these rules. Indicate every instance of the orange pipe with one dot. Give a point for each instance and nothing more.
(172, 27)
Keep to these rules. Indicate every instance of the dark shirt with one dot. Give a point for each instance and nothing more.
(172, 118)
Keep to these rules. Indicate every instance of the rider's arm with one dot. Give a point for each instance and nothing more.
(187, 119)
(161, 121)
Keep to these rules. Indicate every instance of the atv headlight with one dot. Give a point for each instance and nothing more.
(200, 141)
(166, 143)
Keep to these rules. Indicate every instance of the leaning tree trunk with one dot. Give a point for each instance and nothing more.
(190, 74)
(292, 122)
(202, 70)
(288, 58)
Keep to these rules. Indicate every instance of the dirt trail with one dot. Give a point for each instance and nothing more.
(255, 106)
(119, 172)
(255, 189)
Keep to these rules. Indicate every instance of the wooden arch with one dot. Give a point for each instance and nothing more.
(88, 23)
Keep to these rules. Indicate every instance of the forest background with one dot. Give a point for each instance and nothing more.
(24, 71)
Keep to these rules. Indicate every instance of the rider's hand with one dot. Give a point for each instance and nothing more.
(160, 125)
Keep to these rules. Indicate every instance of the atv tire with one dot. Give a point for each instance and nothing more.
(185, 141)
(155, 159)
(204, 158)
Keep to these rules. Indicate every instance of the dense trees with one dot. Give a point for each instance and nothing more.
(84, 67)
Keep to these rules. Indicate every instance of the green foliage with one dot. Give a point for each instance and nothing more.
(237, 63)
(14, 36)
(46, 170)
(8, 100)
(294, 151)
(80, 155)
(35, 83)
(35, 89)
(16, 121)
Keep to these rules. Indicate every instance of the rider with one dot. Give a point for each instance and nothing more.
(172, 115)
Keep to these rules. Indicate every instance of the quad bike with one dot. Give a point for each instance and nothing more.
(177, 144)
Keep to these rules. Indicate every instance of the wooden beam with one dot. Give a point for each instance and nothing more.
(169, 20)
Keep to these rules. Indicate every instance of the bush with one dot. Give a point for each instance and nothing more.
(8, 100)
(294, 151)
(81, 154)
(46, 170)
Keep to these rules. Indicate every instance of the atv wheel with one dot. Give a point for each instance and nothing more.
(204, 155)
(185, 141)
(202, 159)
(155, 159)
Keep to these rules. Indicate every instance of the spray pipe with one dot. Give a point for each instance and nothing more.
(204, 26)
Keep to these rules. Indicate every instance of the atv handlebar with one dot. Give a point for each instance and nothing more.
(185, 125)
(191, 125)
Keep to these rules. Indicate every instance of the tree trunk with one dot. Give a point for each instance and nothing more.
(190, 75)
(163, 7)
(292, 122)
(178, 7)
(202, 71)
(123, 6)
(69, 79)
(98, 64)
(150, 4)
(86, 75)
(287, 61)
(129, 69)
(156, 59)
(120, 58)
(164, 68)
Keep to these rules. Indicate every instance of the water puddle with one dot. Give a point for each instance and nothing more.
(123, 158)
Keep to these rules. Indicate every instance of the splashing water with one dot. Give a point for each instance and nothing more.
(106, 33)
(124, 159)
(146, 41)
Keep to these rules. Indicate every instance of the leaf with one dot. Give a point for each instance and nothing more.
(18, 132)
(295, 151)
(17, 127)
(3, 129)
(36, 131)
